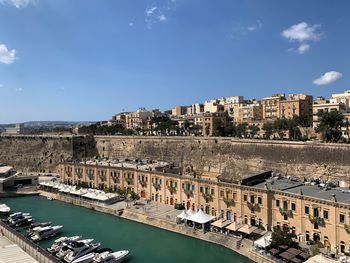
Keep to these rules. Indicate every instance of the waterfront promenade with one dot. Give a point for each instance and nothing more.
(164, 217)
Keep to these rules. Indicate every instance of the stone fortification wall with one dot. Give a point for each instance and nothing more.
(43, 153)
(232, 157)
(207, 156)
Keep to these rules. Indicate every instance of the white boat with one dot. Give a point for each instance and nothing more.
(41, 233)
(59, 243)
(88, 258)
(83, 250)
(21, 220)
(111, 257)
(4, 209)
(49, 198)
(71, 246)
(17, 215)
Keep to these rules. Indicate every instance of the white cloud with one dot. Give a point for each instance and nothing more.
(19, 89)
(7, 56)
(254, 27)
(328, 78)
(303, 33)
(18, 3)
(131, 24)
(303, 48)
(159, 13)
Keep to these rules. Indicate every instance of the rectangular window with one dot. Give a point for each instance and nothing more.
(192, 187)
(183, 186)
(212, 192)
(307, 210)
(201, 189)
(285, 205)
(325, 214)
(221, 193)
(245, 198)
(342, 218)
(277, 203)
(259, 200)
(234, 196)
(252, 199)
(293, 207)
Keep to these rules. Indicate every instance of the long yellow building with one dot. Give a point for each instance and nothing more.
(312, 210)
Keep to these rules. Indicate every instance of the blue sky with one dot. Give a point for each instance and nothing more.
(86, 60)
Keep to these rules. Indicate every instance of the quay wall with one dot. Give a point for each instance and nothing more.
(36, 252)
(233, 158)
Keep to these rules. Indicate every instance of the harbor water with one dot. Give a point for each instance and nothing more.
(146, 243)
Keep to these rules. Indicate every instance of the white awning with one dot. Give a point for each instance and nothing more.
(221, 223)
(234, 226)
(247, 229)
(200, 217)
(183, 215)
(264, 241)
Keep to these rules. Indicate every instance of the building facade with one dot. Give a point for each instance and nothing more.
(310, 211)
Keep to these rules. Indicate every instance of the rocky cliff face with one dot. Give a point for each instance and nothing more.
(207, 156)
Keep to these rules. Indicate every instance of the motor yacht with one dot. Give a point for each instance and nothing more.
(41, 233)
(21, 220)
(4, 209)
(89, 258)
(111, 257)
(62, 241)
(72, 246)
(36, 226)
(15, 216)
(81, 251)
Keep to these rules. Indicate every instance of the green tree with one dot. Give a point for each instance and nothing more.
(268, 129)
(281, 126)
(242, 130)
(282, 236)
(330, 125)
(253, 130)
(219, 128)
(134, 196)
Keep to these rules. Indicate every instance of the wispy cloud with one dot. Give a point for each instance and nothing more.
(131, 24)
(19, 89)
(18, 3)
(328, 78)
(7, 56)
(240, 29)
(159, 13)
(1, 85)
(303, 33)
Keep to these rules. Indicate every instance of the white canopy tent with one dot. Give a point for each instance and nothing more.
(200, 217)
(264, 241)
(183, 215)
(190, 212)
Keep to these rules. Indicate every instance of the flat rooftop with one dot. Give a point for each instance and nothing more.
(5, 169)
(318, 191)
(143, 165)
(11, 253)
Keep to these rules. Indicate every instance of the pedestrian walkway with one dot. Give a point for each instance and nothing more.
(11, 253)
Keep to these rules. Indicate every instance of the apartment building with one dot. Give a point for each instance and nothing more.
(249, 112)
(321, 104)
(179, 110)
(213, 106)
(296, 105)
(207, 120)
(138, 119)
(343, 98)
(272, 106)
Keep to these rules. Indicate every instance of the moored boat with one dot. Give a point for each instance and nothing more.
(81, 251)
(41, 233)
(71, 246)
(60, 242)
(111, 257)
(4, 209)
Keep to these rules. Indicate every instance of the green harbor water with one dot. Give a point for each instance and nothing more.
(146, 244)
